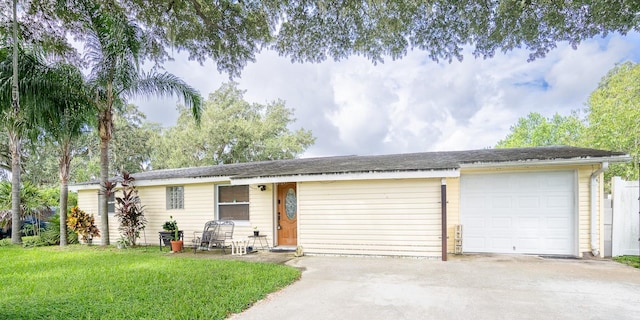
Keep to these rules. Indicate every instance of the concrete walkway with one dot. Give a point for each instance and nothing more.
(470, 287)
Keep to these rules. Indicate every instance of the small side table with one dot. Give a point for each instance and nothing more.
(262, 240)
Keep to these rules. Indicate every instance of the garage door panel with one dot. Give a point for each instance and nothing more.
(476, 243)
(559, 201)
(501, 244)
(528, 202)
(501, 202)
(501, 223)
(560, 224)
(477, 202)
(530, 244)
(523, 212)
(529, 223)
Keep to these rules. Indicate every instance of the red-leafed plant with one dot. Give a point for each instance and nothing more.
(129, 209)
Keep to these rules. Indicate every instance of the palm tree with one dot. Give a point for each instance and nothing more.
(64, 122)
(55, 104)
(114, 46)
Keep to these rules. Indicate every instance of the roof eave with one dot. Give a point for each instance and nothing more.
(547, 162)
(156, 182)
(382, 175)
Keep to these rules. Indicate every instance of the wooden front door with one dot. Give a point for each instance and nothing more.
(287, 214)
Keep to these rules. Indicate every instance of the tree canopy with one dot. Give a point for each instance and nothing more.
(614, 115)
(534, 130)
(231, 32)
(611, 122)
(232, 130)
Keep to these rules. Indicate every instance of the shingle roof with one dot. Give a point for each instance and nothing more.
(423, 161)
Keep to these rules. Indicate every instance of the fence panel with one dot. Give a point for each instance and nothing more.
(625, 229)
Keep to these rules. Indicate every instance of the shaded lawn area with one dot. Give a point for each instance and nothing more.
(633, 261)
(80, 282)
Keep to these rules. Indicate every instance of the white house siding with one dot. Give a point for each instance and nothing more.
(374, 217)
(584, 196)
(198, 208)
(260, 213)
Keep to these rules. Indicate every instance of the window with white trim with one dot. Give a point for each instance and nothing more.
(233, 202)
(175, 197)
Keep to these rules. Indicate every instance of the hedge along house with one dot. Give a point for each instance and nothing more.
(544, 200)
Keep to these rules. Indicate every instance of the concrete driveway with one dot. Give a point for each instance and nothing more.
(468, 287)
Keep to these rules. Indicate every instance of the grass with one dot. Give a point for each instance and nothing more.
(633, 261)
(80, 282)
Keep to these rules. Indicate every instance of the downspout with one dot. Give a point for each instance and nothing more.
(443, 200)
(595, 250)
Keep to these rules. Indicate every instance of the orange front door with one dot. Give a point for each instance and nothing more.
(287, 214)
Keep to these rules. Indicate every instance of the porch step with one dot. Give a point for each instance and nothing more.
(283, 249)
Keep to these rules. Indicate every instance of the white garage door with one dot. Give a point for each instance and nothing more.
(519, 212)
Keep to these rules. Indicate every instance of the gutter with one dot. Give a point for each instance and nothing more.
(595, 250)
(547, 162)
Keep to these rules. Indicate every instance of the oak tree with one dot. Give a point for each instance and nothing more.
(232, 130)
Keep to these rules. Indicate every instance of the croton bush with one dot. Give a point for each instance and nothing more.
(83, 224)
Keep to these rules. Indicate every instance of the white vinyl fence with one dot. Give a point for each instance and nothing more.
(625, 228)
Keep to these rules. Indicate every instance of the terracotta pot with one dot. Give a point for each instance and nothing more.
(176, 246)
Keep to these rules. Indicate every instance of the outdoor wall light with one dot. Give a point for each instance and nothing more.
(262, 187)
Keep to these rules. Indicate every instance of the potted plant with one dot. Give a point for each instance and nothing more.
(169, 228)
(176, 243)
(256, 232)
(122, 243)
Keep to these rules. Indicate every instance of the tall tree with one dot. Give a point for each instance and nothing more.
(614, 116)
(534, 130)
(114, 47)
(55, 108)
(63, 123)
(232, 130)
(130, 149)
(231, 32)
(132, 145)
(15, 135)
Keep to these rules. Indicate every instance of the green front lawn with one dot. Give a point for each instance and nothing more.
(633, 261)
(80, 282)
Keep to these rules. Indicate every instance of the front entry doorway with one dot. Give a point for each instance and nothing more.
(287, 216)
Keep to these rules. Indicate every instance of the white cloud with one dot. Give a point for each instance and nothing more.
(413, 104)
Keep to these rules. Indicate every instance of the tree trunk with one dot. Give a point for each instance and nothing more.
(105, 127)
(64, 165)
(14, 141)
(14, 137)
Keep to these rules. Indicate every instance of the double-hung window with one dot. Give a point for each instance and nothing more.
(175, 197)
(233, 203)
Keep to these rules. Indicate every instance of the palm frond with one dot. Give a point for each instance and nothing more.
(166, 84)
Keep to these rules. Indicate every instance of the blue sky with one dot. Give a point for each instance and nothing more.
(413, 104)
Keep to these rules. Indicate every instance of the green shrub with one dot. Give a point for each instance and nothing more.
(5, 242)
(33, 241)
(52, 234)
